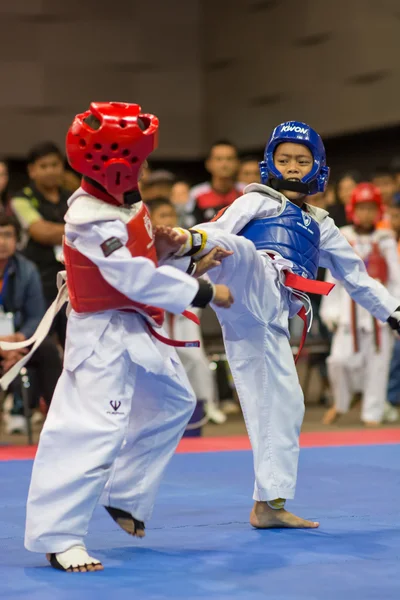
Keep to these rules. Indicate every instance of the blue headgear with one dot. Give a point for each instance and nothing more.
(298, 133)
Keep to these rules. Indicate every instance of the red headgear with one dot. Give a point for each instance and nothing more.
(364, 192)
(112, 152)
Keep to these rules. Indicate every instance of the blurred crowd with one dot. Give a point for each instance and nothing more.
(31, 231)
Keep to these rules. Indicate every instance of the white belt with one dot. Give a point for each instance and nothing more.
(40, 334)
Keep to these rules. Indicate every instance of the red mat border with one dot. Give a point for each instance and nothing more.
(317, 439)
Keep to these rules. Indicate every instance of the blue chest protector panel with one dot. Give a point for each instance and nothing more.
(293, 234)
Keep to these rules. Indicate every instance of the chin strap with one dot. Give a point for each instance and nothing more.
(132, 197)
(289, 186)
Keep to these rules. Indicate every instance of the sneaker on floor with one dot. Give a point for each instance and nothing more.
(229, 407)
(16, 424)
(215, 415)
(37, 418)
(390, 413)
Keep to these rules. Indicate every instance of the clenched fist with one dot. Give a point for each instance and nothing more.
(223, 296)
(167, 241)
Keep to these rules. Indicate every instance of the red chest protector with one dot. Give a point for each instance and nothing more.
(89, 292)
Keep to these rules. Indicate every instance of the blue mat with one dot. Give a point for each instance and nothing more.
(199, 543)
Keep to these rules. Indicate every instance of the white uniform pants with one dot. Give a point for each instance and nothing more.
(366, 371)
(256, 339)
(110, 432)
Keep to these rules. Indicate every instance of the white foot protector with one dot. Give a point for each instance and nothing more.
(74, 557)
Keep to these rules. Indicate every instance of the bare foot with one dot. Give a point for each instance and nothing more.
(264, 517)
(330, 416)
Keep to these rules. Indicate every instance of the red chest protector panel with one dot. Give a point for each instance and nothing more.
(376, 264)
(89, 292)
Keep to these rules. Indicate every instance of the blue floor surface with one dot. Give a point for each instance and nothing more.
(199, 543)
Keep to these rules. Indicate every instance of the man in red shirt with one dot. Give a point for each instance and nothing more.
(207, 198)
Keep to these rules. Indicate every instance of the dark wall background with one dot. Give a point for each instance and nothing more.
(209, 69)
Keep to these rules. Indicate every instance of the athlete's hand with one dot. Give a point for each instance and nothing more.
(167, 241)
(223, 296)
(211, 260)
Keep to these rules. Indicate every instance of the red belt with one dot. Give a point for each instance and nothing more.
(309, 286)
(177, 343)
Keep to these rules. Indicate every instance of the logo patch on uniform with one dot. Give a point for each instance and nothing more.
(115, 405)
(111, 245)
(148, 225)
(306, 218)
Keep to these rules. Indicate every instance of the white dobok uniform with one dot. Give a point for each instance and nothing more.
(123, 399)
(362, 346)
(255, 329)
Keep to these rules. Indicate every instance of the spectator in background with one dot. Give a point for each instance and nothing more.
(321, 200)
(144, 173)
(162, 212)
(157, 183)
(385, 180)
(249, 170)
(208, 198)
(362, 346)
(40, 208)
(344, 188)
(22, 307)
(194, 360)
(4, 179)
(180, 198)
(71, 181)
(329, 196)
(395, 218)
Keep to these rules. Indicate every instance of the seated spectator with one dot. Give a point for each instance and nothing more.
(4, 197)
(344, 188)
(206, 199)
(194, 360)
(40, 208)
(22, 307)
(249, 170)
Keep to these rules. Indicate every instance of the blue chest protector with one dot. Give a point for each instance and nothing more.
(293, 234)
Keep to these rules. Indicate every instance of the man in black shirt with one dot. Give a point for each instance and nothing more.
(40, 208)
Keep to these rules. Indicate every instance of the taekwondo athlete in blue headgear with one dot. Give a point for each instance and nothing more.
(278, 243)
